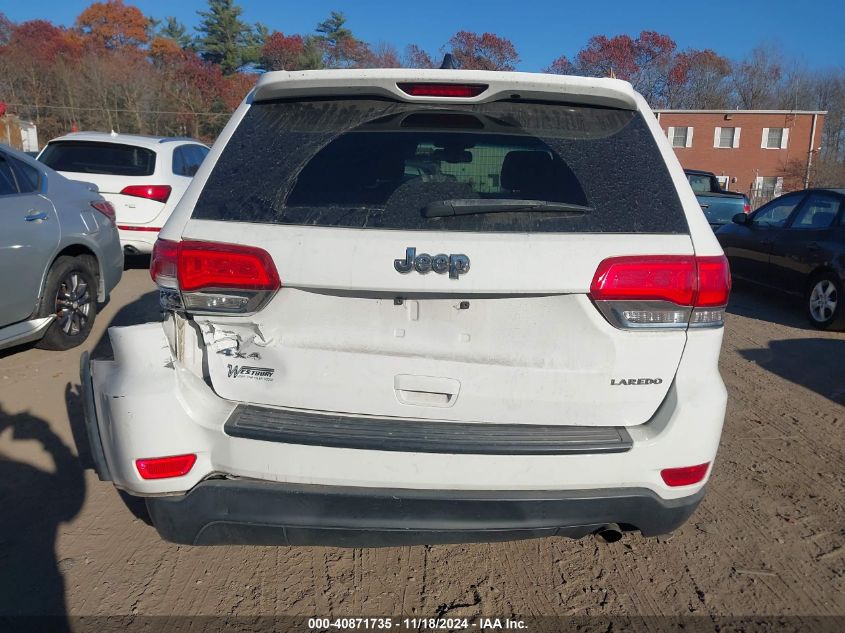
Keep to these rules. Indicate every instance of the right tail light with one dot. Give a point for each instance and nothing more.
(662, 291)
(212, 277)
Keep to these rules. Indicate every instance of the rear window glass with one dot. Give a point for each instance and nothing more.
(91, 157)
(369, 163)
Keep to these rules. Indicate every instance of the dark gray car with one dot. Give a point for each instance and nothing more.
(59, 254)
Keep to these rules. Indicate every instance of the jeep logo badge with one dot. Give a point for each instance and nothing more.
(455, 265)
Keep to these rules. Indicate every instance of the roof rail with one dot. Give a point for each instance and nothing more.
(170, 139)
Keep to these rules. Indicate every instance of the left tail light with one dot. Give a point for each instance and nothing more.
(662, 291)
(106, 208)
(212, 278)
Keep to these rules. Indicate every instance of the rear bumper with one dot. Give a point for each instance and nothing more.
(218, 512)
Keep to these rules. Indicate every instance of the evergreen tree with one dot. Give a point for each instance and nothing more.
(224, 38)
(341, 48)
(173, 29)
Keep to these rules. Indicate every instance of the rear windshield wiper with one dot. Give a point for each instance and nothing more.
(472, 206)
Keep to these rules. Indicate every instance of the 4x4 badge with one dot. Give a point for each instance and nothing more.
(455, 264)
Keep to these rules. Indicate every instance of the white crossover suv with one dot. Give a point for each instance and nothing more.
(142, 176)
(423, 306)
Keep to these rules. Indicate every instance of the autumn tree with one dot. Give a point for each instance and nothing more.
(226, 40)
(381, 55)
(486, 51)
(416, 57)
(113, 25)
(561, 66)
(699, 80)
(282, 52)
(755, 79)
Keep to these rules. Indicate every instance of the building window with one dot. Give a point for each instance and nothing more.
(769, 186)
(726, 137)
(775, 137)
(680, 136)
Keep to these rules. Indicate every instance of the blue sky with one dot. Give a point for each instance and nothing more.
(808, 31)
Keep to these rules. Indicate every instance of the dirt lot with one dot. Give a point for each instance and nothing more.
(768, 539)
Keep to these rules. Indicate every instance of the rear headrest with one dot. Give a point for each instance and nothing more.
(524, 170)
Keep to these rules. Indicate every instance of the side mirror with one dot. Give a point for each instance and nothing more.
(741, 218)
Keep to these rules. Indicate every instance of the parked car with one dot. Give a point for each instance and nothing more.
(59, 254)
(524, 343)
(796, 244)
(142, 176)
(719, 205)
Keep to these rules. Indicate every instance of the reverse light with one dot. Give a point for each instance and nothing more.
(461, 91)
(165, 467)
(106, 208)
(211, 277)
(159, 193)
(684, 476)
(662, 291)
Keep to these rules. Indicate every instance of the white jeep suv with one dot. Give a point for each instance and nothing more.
(142, 176)
(428, 306)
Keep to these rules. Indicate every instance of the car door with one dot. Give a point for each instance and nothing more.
(29, 234)
(807, 241)
(748, 246)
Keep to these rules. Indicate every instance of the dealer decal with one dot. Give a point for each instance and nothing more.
(253, 373)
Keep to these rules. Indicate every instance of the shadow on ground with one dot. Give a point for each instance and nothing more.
(34, 503)
(814, 363)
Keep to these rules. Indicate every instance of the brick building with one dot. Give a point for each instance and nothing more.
(761, 153)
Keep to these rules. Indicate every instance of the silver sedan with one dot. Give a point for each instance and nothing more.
(59, 254)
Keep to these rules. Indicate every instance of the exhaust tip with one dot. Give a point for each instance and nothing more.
(610, 533)
(130, 250)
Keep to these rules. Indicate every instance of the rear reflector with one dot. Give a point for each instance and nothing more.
(462, 91)
(159, 193)
(165, 467)
(106, 208)
(127, 227)
(685, 476)
(213, 277)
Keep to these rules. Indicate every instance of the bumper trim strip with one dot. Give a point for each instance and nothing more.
(421, 436)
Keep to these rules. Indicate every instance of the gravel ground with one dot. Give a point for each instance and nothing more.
(768, 539)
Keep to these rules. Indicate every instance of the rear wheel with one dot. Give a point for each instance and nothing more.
(824, 301)
(70, 295)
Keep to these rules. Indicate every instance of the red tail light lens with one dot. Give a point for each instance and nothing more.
(204, 277)
(106, 208)
(213, 265)
(461, 91)
(163, 263)
(746, 208)
(665, 278)
(159, 193)
(165, 467)
(714, 282)
(685, 476)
